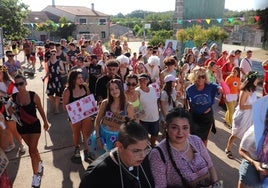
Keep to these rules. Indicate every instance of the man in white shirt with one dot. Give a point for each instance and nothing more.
(142, 49)
(246, 64)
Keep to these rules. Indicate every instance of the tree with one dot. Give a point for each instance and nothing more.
(12, 14)
(199, 35)
(65, 28)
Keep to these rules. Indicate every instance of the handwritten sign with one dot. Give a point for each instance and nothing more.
(113, 120)
(156, 87)
(82, 108)
(3, 161)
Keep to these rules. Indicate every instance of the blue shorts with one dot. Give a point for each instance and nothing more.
(108, 137)
(248, 175)
(151, 127)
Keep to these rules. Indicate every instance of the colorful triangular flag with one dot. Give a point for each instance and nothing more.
(219, 20)
(256, 18)
(208, 21)
(230, 20)
(179, 21)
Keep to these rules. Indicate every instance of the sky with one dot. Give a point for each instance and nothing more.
(113, 7)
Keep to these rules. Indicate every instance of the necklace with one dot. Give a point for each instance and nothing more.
(121, 166)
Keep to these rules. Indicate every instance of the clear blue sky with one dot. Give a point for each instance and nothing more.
(113, 7)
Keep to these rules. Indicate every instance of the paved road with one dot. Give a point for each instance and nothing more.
(61, 172)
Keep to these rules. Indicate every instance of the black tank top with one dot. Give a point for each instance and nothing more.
(72, 98)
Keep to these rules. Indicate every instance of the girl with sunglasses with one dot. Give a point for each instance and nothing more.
(54, 85)
(28, 102)
(200, 97)
(133, 96)
(112, 113)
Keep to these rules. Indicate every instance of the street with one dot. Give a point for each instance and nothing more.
(56, 148)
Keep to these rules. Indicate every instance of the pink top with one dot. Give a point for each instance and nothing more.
(164, 174)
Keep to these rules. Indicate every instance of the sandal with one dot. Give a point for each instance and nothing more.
(229, 154)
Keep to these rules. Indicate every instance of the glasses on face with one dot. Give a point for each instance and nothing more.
(131, 84)
(201, 77)
(19, 84)
(53, 54)
(140, 152)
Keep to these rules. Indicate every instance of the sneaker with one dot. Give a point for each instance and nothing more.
(10, 148)
(40, 168)
(36, 181)
(77, 152)
(22, 149)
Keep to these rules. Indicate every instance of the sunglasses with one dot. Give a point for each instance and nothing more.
(53, 54)
(202, 77)
(10, 56)
(19, 84)
(131, 84)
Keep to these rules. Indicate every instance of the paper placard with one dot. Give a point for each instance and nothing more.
(82, 108)
(3, 161)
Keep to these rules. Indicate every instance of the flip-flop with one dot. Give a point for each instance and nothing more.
(229, 154)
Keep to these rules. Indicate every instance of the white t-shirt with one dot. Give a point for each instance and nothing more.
(3, 88)
(149, 103)
(142, 49)
(248, 142)
(164, 97)
(246, 65)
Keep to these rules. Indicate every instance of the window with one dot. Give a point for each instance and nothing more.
(102, 21)
(82, 20)
(103, 34)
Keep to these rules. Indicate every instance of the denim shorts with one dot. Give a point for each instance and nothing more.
(151, 127)
(248, 175)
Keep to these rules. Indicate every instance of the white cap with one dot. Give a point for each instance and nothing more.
(169, 78)
(123, 59)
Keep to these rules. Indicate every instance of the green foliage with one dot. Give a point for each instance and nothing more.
(48, 26)
(160, 36)
(65, 29)
(12, 14)
(199, 35)
(158, 21)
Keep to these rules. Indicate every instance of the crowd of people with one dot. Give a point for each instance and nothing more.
(140, 96)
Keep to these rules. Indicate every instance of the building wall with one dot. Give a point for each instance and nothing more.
(91, 27)
(198, 9)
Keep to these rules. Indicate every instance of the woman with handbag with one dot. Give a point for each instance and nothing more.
(181, 160)
(28, 102)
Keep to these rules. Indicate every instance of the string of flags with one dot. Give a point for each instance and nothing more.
(219, 20)
(179, 21)
(61, 25)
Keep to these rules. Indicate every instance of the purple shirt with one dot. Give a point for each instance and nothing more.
(164, 174)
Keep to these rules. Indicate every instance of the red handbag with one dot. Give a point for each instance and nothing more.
(26, 117)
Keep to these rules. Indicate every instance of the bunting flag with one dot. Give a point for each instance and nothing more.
(219, 20)
(230, 20)
(256, 18)
(198, 20)
(179, 21)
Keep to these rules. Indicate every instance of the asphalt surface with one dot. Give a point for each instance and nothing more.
(56, 148)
